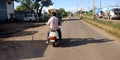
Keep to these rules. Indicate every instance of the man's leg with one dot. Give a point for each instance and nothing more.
(59, 34)
(48, 36)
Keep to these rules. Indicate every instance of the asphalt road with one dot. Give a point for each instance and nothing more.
(82, 42)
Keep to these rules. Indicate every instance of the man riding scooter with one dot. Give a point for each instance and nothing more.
(54, 23)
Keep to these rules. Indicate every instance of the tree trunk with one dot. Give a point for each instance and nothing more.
(41, 10)
(37, 10)
(26, 6)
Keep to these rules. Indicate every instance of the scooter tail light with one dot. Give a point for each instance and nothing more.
(52, 37)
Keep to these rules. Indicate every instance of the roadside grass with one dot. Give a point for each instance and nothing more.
(108, 23)
(110, 27)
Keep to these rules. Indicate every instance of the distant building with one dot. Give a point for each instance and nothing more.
(6, 9)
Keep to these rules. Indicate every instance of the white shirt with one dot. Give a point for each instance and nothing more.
(53, 22)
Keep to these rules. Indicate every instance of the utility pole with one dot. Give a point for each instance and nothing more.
(92, 9)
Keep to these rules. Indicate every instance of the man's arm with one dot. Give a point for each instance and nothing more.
(48, 23)
(59, 22)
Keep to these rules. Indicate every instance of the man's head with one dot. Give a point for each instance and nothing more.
(53, 14)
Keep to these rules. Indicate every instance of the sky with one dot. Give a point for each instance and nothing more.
(73, 5)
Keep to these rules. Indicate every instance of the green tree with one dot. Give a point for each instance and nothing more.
(28, 4)
(45, 3)
(62, 13)
(62, 10)
(36, 5)
(21, 8)
(68, 13)
(25, 5)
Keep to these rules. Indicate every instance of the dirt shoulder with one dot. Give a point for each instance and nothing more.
(16, 40)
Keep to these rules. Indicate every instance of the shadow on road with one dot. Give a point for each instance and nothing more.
(12, 34)
(71, 42)
(7, 30)
(16, 50)
(27, 49)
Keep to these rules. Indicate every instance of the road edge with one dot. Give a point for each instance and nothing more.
(102, 31)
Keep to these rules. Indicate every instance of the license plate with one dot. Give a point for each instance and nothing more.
(52, 40)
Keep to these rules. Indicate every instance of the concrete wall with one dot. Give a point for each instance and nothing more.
(6, 9)
(3, 10)
(10, 9)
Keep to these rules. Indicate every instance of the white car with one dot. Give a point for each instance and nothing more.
(114, 13)
(31, 17)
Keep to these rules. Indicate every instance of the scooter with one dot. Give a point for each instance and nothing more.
(53, 38)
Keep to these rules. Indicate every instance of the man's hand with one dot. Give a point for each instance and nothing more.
(47, 23)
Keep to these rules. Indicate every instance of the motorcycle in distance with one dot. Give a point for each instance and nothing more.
(53, 38)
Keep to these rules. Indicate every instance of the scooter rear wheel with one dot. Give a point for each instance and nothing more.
(54, 44)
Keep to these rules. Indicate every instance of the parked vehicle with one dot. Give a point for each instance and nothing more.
(100, 14)
(31, 17)
(114, 13)
(109, 12)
